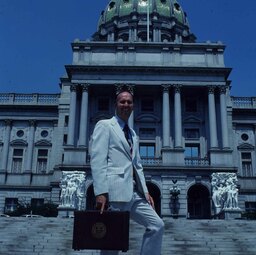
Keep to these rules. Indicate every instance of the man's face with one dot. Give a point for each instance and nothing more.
(124, 105)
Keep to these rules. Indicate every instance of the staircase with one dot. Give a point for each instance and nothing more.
(53, 236)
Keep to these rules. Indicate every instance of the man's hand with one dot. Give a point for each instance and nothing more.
(150, 200)
(101, 202)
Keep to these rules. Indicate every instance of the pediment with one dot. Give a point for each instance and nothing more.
(192, 119)
(245, 146)
(43, 143)
(18, 142)
(147, 118)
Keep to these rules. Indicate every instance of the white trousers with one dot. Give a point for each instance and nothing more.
(142, 213)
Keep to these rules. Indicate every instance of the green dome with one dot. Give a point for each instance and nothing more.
(127, 20)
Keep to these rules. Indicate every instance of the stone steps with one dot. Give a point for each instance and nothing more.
(53, 236)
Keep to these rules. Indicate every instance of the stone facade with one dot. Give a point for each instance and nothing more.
(189, 126)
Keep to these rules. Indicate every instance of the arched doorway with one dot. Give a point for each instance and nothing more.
(199, 202)
(156, 195)
(90, 198)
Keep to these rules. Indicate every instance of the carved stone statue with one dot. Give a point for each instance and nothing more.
(72, 189)
(224, 191)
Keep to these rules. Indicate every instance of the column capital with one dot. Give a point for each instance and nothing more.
(121, 87)
(8, 122)
(211, 89)
(85, 87)
(166, 87)
(73, 88)
(32, 123)
(131, 88)
(177, 88)
(222, 89)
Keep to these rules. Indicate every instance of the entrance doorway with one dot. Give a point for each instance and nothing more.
(90, 199)
(199, 202)
(156, 195)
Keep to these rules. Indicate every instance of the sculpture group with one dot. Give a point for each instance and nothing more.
(72, 190)
(224, 191)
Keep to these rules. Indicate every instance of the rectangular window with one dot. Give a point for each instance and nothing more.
(250, 206)
(191, 105)
(192, 133)
(36, 202)
(246, 164)
(65, 139)
(17, 160)
(103, 104)
(147, 105)
(192, 151)
(147, 132)
(66, 120)
(42, 160)
(147, 150)
(10, 204)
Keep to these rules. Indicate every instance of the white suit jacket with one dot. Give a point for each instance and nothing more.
(112, 163)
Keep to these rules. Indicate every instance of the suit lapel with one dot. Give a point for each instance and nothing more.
(119, 132)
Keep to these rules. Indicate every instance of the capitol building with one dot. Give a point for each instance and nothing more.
(197, 142)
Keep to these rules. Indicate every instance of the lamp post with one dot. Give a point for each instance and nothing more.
(174, 192)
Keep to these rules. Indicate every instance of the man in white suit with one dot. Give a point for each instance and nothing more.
(118, 177)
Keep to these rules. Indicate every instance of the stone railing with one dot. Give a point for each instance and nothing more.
(29, 99)
(197, 162)
(244, 102)
(151, 161)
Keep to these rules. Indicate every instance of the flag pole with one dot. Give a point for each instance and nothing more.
(148, 21)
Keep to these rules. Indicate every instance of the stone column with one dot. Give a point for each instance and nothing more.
(31, 137)
(224, 117)
(83, 117)
(177, 114)
(8, 124)
(131, 119)
(72, 115)
(212, 118)
(166, 116)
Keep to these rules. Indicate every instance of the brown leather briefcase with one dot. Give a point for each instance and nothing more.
(95, 231)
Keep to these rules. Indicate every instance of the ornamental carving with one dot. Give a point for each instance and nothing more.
(224, 191)
(72, 190)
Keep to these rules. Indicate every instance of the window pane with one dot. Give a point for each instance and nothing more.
(35, 202)
(11, 204)
(103, 104)
(191, 105)
(147, 151)
(18, 152)
(151, 151)
(250, 206)
(147, 132)
(147, 105)
(143, 151)
(41, 165)
(247, 168)
(192, 151)
(191, 133)
(246, 155)
(42, 153)
(17, 165)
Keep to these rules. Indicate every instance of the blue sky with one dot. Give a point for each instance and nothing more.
(35, 38)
